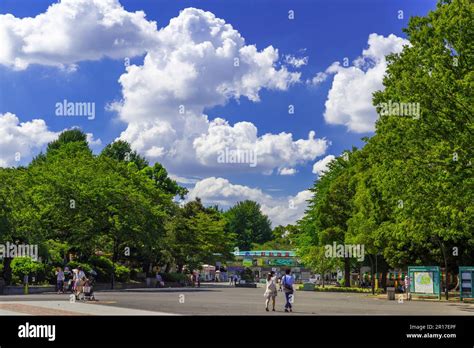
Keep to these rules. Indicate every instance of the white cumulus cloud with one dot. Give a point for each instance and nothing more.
(199, 62)
(271, 150)
(287, 171)
(93, 142)
(281, 210)
(289, 210)
(349, 100)
(321, 166)
(74, 30)
(18, 139)
(295, 61)
(196, 62)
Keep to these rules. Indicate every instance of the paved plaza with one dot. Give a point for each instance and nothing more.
(222, 300)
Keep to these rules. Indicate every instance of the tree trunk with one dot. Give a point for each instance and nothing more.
(347, 272)
(445, 270)
(372, 280)
(114, 259)
(180, 268)
(7, 271)
(384, 279)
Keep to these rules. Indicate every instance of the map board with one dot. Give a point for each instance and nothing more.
(425, 280)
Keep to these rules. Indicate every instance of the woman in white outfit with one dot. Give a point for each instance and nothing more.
(271, 291)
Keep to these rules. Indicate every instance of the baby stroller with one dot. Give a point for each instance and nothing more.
(87, 292)
(87, 288)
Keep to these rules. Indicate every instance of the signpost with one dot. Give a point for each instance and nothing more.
(425, 281)
(466, 289)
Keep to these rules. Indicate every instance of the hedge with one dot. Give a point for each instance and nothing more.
(330, 288)
(174, 277)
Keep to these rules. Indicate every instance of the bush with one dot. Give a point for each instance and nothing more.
(22, 266)
(103, 266)
(331, 288)
(16, 280)
(50, 275)
(174, 277)
(134, 272)
(122, 273)
(247, 275)
(85, 266)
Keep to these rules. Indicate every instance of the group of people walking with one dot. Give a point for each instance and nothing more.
(286, 286)
(74, 282)
(195, 280)
(234, 279)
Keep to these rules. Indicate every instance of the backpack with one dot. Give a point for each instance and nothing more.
(288, 288)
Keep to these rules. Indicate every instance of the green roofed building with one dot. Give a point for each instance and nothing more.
(261, 262)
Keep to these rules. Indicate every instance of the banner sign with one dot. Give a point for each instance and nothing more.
(281, 262)
(266, 253)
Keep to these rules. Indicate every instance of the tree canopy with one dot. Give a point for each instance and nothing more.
(249, 224)
(407, 194)
(113, 204)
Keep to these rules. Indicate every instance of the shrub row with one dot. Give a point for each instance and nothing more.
(44, 273)
(174, 277)
(330, 288)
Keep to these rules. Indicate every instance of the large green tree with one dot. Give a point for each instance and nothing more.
(197, 235)
(407, 194)
(425, 171)
(249, 224)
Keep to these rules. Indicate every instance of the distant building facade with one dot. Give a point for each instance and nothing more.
(261, 262)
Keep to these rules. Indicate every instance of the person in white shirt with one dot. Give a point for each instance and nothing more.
(271, 291)
(79, 279)
(80, 274)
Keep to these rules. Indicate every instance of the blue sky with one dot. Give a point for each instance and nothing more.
(323, 31)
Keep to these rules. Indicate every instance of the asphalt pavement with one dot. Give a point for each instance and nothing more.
(212, 299)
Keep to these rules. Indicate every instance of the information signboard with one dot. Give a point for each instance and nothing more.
(466, 276)
(425, 280)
